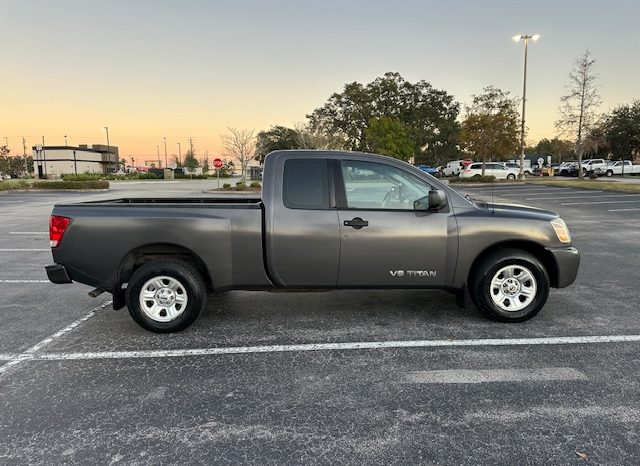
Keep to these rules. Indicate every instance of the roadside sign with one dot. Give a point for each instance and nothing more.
(217, 163)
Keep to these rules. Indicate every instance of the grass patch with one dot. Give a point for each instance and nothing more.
(589, 184)
(9, 185)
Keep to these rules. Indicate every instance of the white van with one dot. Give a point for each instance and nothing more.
(454, 167)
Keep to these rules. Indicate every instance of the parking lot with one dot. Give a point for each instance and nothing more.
(366, 377)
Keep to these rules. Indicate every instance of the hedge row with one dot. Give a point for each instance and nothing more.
(91, 184)
(475, 179)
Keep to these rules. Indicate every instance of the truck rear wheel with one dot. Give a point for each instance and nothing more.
(510, 285)
(165, 295)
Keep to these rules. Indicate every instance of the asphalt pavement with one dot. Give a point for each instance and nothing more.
(342, 377)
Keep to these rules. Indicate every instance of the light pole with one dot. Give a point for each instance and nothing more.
(65, 140)
(6, 142)
(166, 161)
(108, 146)
(526, 38)
(179, 155)
(158, 152)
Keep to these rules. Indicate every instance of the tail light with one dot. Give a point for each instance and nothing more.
(57, 226)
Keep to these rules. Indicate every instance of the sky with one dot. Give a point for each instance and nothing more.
(155, 69)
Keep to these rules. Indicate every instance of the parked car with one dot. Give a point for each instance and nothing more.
(324, 220)
(592, 165)
(496, 169)
(4, 176)
(429, 169)
(615, 168)
(454, 167)
(565, 168)
(516, 166)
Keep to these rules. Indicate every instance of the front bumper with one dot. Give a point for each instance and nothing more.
(567, 262)
(57, 274)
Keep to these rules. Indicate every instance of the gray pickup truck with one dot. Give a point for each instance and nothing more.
(325, 220)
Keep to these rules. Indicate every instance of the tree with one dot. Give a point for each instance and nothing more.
(490, 128)
(578, 106)
(559, 149)
(389, 136)
(240, 145)
(623, 131)
(190, 161)
(277, 138)
(309, 137)
(429, 114)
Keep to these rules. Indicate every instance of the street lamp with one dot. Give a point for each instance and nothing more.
(65, 140)
(166, 161)
(179, 155)
(108, 147)
(526, 38)
(158, 151)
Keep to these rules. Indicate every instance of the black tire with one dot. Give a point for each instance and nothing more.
(192, 286)
(480, 288)
(609, 173)
(511, 176)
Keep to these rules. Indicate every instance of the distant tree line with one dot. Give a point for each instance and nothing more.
(415, 121)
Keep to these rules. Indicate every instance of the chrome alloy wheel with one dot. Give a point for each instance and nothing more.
(163, 299)
(513, 288)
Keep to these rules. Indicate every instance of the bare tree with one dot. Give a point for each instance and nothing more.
(240, 144)
(309, 138)
(578, 108)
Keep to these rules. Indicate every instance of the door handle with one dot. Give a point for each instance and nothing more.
(356, 223)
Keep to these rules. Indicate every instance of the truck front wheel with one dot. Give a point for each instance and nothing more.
(165, 295)
(509, 285)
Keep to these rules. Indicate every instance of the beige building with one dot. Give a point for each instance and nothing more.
(55, 161)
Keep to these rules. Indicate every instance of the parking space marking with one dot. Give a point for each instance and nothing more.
(31, 353)
(582, 197)
(7, 356)
(598, 202)
(24, 250)
(622, 210)
(25, 281)
(28, 232)
(458, 376)
(364, 345)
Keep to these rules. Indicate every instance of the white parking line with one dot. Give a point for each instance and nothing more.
(24, 250)
(621, 210)
(7, 356)
(25, 281)
(364, 345)
(31, 353)
(28, 232)
(598, 202)
(582, 197)
(457, 376)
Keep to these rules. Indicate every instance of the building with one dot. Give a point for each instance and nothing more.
(54, 161)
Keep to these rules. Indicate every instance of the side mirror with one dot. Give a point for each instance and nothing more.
(436, 200)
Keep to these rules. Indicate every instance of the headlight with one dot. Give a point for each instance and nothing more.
(562, 232)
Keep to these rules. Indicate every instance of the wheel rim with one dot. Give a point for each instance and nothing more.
(513, 288)
(163, 299)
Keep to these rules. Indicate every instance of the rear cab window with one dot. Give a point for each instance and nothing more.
(306, 184)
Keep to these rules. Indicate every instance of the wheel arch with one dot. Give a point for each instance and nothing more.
(533, 248)
(148, 252)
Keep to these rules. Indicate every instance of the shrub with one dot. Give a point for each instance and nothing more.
(255, 184)
(14, 184)
(82, 177)
(241, 186)
(91, 184)
(226, 186)
(593, 176)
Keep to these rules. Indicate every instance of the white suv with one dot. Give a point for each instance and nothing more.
(491, 169)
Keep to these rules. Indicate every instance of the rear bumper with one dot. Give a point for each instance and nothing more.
(568, 262)
(57, 274)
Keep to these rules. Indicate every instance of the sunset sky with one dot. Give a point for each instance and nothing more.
(179, 69)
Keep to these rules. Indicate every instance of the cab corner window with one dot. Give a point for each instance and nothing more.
(306, 184)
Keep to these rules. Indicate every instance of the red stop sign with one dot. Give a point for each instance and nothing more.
(217, 163)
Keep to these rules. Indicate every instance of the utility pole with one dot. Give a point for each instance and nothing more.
(179, 155)
(24, 156)
(44, 158)
(158, 152)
